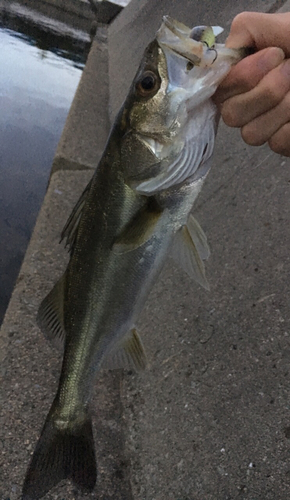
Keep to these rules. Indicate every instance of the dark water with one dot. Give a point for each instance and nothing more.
(39, 73)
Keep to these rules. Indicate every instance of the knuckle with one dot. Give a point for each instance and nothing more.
(272, 95)
(280, 142)
(245, 79)
(275, 145)
(274, 88)
(230, 115)
(240, 20)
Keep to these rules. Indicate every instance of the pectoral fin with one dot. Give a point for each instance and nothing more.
(186, 253)
(128, 354)
(138, 230)
(50, 316)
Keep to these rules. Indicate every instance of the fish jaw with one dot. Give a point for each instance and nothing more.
(194, 68)
(199, 50)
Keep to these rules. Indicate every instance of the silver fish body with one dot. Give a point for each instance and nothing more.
(134, 212)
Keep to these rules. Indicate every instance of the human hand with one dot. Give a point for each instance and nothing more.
(255, 96)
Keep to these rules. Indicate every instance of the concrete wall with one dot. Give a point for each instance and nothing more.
(87, 126)
(75, 13)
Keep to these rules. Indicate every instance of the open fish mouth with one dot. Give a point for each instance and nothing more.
(197, 44)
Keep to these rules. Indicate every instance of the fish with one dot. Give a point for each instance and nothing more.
(135, 211)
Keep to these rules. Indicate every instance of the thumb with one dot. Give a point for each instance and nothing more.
(258, 30)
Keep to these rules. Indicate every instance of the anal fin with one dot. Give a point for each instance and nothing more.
(128, 354)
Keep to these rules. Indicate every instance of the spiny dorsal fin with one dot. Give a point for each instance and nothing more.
(186, 254)
(128, 354)
(50, 315)
(139, 229)
(70, 229)
(198, 237)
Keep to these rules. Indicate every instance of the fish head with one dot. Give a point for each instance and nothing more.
(148, 102)
(180, 71)
(181, 66)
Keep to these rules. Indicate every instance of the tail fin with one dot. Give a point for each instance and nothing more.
(61, 454)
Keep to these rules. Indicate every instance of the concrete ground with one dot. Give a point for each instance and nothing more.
(210, 418)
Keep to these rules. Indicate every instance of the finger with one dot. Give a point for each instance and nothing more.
(280, 141)
(248, 73)
(243, 108)
(263, 128)
(259, 30)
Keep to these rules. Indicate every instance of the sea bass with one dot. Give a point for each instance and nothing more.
(133, 213)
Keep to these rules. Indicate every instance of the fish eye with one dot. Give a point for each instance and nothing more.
(148, 84)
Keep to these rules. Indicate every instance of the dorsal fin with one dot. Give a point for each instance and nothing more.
(70, 229)
(50, 316)
(128, 354)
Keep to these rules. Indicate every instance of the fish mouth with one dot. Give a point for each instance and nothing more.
(197, 45)
(196, 64)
